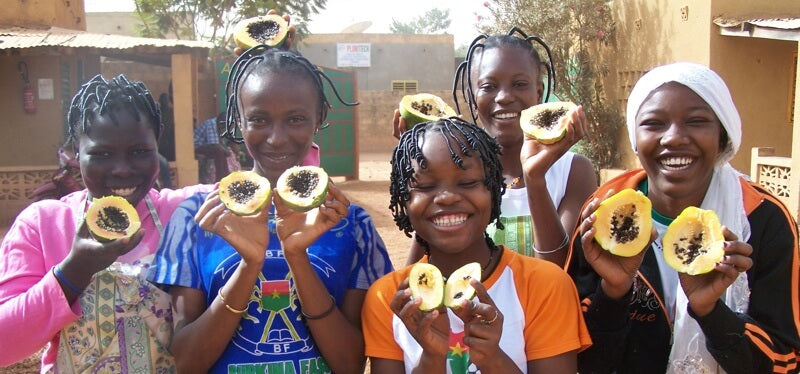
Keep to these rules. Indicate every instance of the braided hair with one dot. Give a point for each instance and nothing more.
(261, 59)
(100, 97)
(515, 38)
(464, 139)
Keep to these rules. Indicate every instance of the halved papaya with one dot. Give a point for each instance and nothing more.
(458, 287)
(623, 223)
(303, 188)
(244, 192)
(270, 30)
(112, 217)
(693, 243)
(426, 282)
(546, 122)
(424, 107)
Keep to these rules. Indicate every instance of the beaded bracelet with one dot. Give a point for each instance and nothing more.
(560, 246)
(60, 276)
(232, 309)
(323, 314)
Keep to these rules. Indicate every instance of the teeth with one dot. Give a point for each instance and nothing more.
(450, 220)
(123, 192)
(676, 163)
(506, 115)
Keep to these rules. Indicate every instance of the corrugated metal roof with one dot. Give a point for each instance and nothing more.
(787, 28)
(19, 37)
(775, 23)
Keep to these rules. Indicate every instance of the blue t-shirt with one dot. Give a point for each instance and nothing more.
(272, 336)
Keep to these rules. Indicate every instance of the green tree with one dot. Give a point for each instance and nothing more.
(577, 32)
(213, 20)
(431, 22)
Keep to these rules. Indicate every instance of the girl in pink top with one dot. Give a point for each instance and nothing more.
(49, 259)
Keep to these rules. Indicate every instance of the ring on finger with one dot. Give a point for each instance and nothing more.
(496, 314)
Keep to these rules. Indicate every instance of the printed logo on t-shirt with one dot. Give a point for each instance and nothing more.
(644, 304)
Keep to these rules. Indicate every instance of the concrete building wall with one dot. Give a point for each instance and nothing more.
(68, 14)
(120, 23)
(428, 59)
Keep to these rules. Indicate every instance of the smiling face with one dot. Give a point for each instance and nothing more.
(119, 158)
(279, 115)
(449, 207)
(506, 81)
(678, 142)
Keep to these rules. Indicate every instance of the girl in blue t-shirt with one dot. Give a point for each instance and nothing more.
(279, 291)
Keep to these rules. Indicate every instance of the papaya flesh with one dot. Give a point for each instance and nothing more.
(244, 192)
(623, 223)
(426, 282)
(424, 107)
(270, 30)
(303, 188)
(458, 287)
(112, 217)
(546, 122)
(693, 243)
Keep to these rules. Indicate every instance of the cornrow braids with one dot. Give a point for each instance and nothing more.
(99, 96)
(515, 38)
(262, 59)
(469, 139)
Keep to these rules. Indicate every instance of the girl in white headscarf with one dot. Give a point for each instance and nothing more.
(744, 316)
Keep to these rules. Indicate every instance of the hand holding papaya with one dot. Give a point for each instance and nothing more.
(539, 154)
(704, 290)
(297, 229)
(247, 234)
(617, 271)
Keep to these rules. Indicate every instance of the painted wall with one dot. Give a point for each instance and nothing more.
(44, 130)
(68, 14)
(427, 59)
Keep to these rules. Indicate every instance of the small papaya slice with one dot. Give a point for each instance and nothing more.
(426, 282)
(546, 122)
(112, 217)
(270, 30)
(303, 188)
(623, 223)
(457, 288)
(244, 192)
(693, 243)
(424, 107)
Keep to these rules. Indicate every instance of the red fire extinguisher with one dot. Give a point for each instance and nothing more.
(27, 92)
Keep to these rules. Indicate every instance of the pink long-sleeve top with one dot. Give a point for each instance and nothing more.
(33, 308)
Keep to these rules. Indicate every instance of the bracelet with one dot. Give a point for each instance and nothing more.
(323, 314)
(560, 246)
(60, 276)
(232, 309)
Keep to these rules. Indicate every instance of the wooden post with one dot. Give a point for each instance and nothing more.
(794, 188)
(183, 77)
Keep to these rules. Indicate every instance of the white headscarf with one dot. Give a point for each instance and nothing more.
(724, 197)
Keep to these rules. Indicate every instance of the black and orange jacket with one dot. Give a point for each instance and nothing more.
(633, 334)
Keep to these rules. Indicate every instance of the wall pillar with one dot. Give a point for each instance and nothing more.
(184, 74)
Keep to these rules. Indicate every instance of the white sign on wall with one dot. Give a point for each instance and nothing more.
(352, 55)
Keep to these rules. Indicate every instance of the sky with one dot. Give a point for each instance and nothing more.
(339, 14)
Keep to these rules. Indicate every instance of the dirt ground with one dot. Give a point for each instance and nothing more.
(370, 191)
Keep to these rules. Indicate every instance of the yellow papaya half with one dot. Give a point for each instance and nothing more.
(546, 122)
(693, 243)
(424, 107)
(244, 192)
(303, 188)
(112, 217)
(426, 282)
(458, 287)
(623, 223)
(270, 29)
